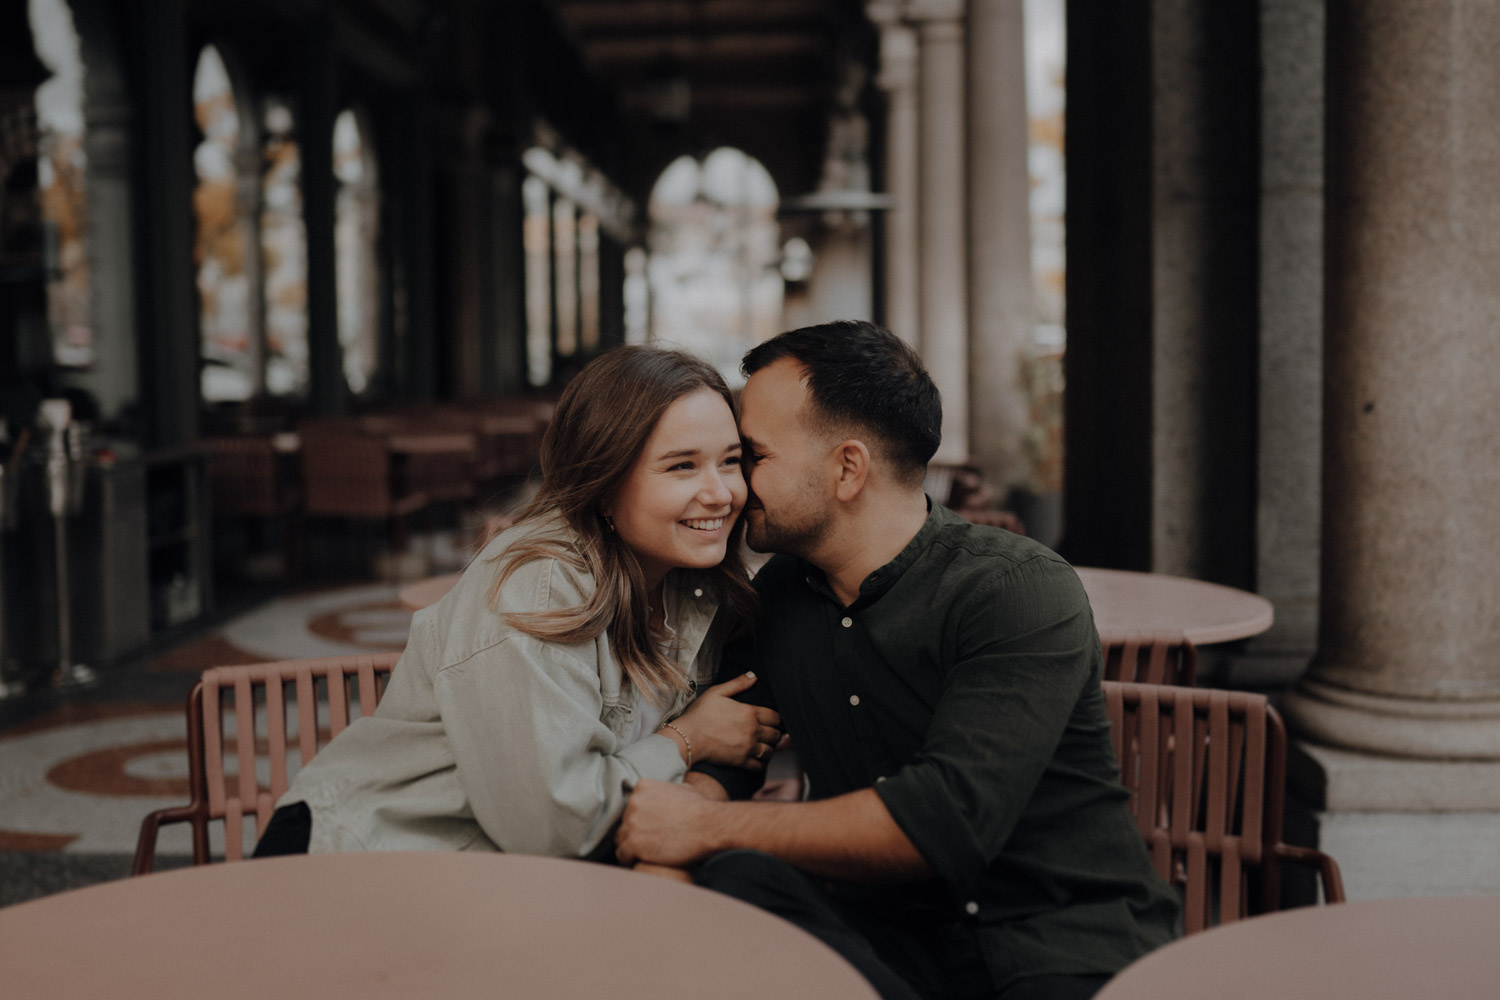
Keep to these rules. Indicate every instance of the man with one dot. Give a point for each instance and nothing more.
(967, 834)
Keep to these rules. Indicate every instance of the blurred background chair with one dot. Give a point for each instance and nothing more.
(257, 477)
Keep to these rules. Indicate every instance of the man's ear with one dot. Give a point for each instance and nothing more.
(853, 461)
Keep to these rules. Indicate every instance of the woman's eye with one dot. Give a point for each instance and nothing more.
(683, 466)
(732, 460)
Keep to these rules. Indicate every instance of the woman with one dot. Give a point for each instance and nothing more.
(561, 668)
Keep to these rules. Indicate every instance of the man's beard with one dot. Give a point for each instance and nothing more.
(798, 532)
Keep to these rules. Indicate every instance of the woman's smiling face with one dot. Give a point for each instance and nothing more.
(679, 503)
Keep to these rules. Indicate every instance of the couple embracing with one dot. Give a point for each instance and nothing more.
(606, 682)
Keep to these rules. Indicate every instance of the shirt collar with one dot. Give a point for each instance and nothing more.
(885, 577)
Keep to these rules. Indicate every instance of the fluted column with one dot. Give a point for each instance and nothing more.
(1409, 651)
(1001, 308)
(898, 79)
(943, 267)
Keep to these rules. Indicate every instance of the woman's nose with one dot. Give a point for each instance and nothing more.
(716, 491)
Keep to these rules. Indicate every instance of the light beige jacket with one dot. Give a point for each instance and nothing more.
(488, 739)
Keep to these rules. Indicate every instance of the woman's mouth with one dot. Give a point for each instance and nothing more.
(705, 523)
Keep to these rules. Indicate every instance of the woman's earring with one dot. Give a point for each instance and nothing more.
(609, 521)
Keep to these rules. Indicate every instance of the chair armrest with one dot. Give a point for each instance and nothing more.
(145, 845)
(1328, 869)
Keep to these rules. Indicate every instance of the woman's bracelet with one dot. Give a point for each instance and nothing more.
(685, 741)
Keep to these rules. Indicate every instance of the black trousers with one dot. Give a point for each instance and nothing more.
(902, 960)
(288, 832)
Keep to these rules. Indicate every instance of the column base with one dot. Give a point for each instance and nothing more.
(1399, 827)
(1401, 727)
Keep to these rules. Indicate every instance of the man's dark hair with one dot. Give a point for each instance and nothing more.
(861, 373)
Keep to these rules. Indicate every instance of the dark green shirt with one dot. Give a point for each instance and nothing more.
(964, 685)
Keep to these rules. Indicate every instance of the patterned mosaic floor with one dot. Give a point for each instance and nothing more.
(78, 777)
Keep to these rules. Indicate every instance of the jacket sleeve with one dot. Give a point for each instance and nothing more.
(543, 773)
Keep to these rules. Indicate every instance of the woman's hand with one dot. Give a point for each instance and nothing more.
(725, 731)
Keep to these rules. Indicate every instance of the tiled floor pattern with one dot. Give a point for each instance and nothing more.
(79, 777)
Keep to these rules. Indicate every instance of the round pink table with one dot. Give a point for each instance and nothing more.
(1388, 950)
(1130, 605)
(430, 925)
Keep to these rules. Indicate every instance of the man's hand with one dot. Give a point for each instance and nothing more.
(665, 824)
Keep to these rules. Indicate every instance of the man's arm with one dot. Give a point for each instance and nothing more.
(851, 837)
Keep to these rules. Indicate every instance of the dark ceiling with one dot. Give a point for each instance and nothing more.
(692, 75)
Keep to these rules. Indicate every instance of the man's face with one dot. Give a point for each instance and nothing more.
(787, 462)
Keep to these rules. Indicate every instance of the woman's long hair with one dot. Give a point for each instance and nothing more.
(598, 430)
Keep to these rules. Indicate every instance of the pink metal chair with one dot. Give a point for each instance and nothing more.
(286, 698)
(1206, 771)
(1151, 659)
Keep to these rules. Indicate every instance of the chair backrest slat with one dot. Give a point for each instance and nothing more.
(276, 734)
(1206, 772)
(1150, 658)
(243, 693)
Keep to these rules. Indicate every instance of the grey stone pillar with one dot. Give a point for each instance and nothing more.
(114, 379)
(1401, 708)
(328, 392)
(943, 265)
(1205, 195)
(1289, 445)
(1001, 309)
(898, 79)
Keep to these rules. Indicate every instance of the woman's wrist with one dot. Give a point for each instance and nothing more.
(671, 730)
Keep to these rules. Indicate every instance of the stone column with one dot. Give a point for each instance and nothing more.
(1406, 683)
(1001, 310)
(328, 392)
(943, 268)
(1290, 418)
(898, 79)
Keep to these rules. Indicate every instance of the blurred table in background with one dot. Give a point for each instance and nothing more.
(1128, 604)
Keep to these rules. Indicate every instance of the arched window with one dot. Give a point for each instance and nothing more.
(283, 242)
(356, 232)
(229, 340)
(714, 249)
(61, 168)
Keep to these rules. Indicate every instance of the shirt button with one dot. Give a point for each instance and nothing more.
(854, 699)
(971, 908)
(698, 592)
(879, 779)
(847, 622)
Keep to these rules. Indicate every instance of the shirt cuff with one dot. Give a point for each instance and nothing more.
(927, 814)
